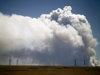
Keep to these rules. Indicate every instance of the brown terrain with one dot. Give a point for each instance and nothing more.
(48, 70)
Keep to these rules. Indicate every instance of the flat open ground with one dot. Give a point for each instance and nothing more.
(48, 70)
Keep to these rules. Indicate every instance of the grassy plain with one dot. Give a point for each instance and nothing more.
(48, 70)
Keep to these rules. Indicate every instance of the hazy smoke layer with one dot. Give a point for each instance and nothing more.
(58, 38)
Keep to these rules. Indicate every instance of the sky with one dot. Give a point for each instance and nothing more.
(34, 8)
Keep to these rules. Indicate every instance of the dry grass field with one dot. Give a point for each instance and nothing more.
(48, 70)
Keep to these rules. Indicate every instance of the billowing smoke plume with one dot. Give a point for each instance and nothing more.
(58, 38)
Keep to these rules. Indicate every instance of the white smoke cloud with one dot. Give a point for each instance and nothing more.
(58, 38)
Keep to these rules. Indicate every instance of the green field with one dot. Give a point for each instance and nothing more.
(48, 70)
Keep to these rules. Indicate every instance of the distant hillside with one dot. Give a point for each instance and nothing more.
(48, 70)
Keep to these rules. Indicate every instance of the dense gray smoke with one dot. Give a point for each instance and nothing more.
(58, 38)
